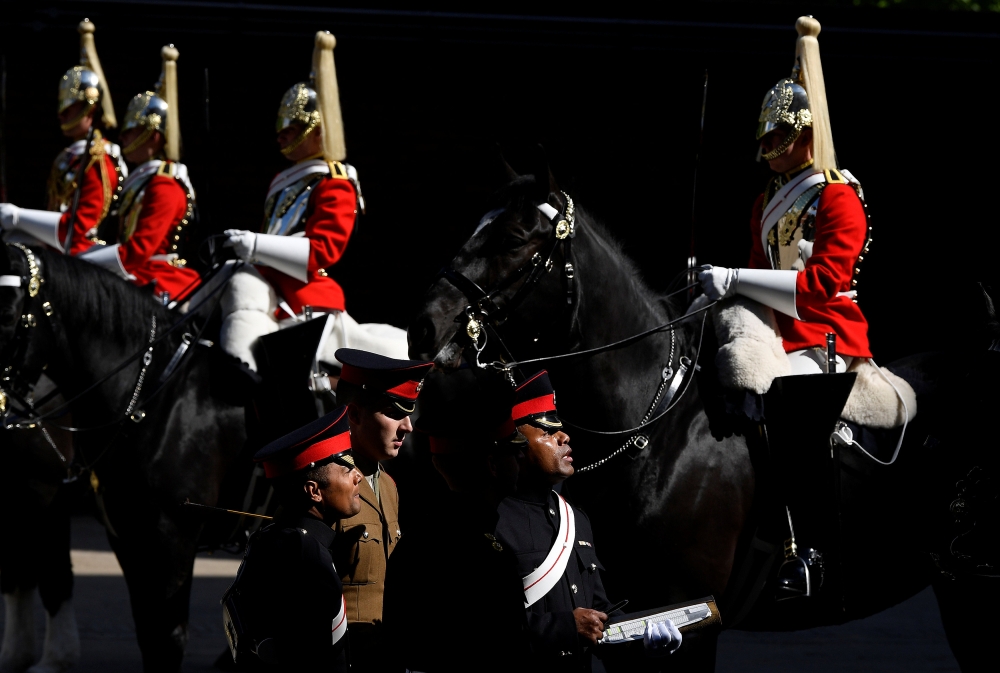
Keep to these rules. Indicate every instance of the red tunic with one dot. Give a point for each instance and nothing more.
(330, 217)
(163, 206)
(100, 182)
(841, 231)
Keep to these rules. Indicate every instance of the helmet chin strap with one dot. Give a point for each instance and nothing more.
(780, 149)
(87, 109)
(138, 142)
(294, 145)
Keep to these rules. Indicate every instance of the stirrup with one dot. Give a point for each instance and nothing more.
(800, 575)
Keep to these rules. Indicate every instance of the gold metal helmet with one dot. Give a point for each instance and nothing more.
(79, 84)
(85, 82)
(298, 106)
(786, 103)
(155, 111)
(316, 103)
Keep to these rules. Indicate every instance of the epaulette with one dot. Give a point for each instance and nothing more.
(834, 177)
(167, 168)
(338, 170)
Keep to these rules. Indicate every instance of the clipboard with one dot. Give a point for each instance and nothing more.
(696, 615)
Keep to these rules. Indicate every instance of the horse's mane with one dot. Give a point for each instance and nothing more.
(523, 191)
(81, 291)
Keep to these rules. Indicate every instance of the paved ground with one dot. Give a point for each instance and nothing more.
(907, 638)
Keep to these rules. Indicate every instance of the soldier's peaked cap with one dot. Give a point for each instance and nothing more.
(535, 402)
(399, 380)
(325, 440)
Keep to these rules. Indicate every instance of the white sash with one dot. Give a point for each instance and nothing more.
(293, 174)
(784, 199)
(541, 580)
(340, 622)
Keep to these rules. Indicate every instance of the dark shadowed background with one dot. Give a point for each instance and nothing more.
(612, 91)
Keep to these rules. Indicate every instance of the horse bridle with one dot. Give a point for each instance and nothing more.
(482, 315)
(12, 382)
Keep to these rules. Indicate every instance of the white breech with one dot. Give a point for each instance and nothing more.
(248, 306)
(813, 361)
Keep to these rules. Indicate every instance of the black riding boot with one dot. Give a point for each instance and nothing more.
(800, 413)
(289, 396)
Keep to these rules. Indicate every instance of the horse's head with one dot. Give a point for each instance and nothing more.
(500, 281)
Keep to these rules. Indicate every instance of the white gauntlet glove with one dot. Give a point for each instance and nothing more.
(8, 216)
(718, 282)
(40, 224)
(243, 243)
(661, 638)
(287, 254)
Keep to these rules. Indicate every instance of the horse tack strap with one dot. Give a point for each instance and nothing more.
(540, 581)
(10, 281)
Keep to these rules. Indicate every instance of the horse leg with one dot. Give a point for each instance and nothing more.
(969, 623)
(61, 650)
(18, 650)
(158, 565)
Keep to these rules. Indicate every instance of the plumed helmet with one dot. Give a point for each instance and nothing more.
(298, 105)
(85, 82)
(147, 111)
(157, 110)
(786, 103)
(316, 103)
(800, 100)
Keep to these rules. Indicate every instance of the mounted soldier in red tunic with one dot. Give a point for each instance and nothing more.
(309, 214)
(157, 201)
(799, 312)
(87, 176)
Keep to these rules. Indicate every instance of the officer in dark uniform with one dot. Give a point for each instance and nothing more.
(449, 569)
(564, 595)
(286, 610)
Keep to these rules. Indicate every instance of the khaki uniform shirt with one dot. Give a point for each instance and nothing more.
(362, 548)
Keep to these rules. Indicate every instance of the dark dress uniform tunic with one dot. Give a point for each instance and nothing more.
(528, 527)
(293, 594)
(453, 599)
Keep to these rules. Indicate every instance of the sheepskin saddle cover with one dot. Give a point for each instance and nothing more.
(751, 356)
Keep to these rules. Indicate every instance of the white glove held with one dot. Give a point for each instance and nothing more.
(8, 216)
(243, 243)
(718, 282)
(661, 638)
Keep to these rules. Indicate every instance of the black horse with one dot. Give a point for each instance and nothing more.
(686, 514)
(146, 443)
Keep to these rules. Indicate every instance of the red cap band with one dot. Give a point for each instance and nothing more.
(315, 453)
(538, 405)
